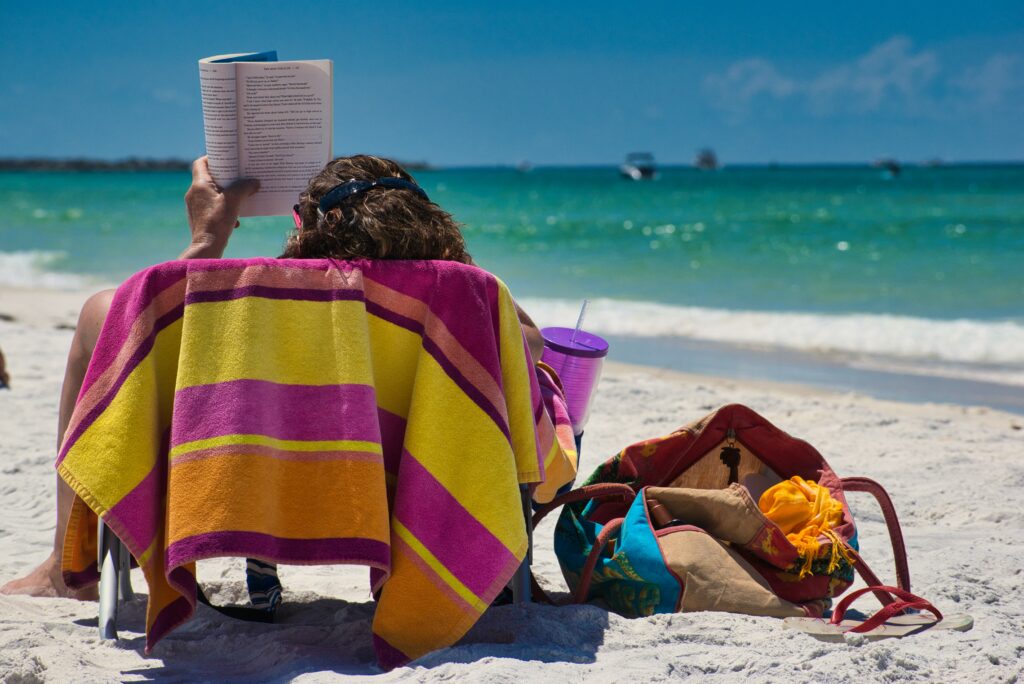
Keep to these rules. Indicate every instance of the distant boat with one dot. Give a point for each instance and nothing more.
(639, 166)
(524, 166)
(891, 167)
(706, 160)
(934, 162)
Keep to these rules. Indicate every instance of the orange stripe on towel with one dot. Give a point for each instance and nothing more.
(277, 275)
(431, 612)
(337, 500)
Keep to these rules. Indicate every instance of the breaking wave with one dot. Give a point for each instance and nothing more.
(35, 269)
(964, 341)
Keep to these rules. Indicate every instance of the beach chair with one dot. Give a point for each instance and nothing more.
(113, 558)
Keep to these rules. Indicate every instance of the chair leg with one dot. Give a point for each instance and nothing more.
(124, 585)
(521, 580)
(109, 547)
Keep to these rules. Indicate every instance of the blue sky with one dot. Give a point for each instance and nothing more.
(557, 83)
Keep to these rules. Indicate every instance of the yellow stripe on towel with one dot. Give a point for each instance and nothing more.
(458, 587)
(123, 428)
(290, 351)
(395, 354)
(479, 455)
(282, 444)
(518, 397)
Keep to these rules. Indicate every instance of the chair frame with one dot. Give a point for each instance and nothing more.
(114, 563)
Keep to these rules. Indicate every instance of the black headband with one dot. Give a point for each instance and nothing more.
(340, 193)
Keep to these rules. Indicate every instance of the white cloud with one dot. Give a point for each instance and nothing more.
(996, 83)
(891, 74)
(745, 80)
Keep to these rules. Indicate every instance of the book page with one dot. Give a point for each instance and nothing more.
(284, 130)
(217, 86)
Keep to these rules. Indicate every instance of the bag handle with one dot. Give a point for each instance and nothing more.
(587, 573)
(604, 490)
(906, 601)
(869, 577)
(610, 528)
(899, 548)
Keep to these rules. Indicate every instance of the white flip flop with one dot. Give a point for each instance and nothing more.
(894, 627)
(890, 622)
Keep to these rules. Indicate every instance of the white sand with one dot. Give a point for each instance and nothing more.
(955, 475)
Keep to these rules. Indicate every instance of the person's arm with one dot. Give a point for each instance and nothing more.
(533, 337)
(213, 211)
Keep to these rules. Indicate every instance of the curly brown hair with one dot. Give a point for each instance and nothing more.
(379, 223)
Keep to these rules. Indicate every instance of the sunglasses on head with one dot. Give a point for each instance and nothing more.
(342, 192)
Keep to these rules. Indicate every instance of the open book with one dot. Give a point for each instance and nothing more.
(268, 120)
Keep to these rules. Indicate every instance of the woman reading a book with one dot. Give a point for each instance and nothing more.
(356, 207)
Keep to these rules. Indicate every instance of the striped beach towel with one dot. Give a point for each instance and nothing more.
(310, 412)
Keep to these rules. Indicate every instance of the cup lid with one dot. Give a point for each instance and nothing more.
(586, 344)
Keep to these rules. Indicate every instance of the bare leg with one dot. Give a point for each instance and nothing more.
(46, 580)
(5, 379)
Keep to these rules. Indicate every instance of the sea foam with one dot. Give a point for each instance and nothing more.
(34, 269)
(964, 341)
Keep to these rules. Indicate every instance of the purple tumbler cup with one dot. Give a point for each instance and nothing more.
(577, 356)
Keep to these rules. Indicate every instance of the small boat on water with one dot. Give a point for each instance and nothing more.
(706, 160)
(639, 166)
(890, 167)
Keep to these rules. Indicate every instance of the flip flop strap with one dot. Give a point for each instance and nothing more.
(906, 601)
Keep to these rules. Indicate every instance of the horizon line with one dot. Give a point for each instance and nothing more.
(24, 163)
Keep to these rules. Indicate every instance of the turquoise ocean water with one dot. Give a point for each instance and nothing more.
(924, 270)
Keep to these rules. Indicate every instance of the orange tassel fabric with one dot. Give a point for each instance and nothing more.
(806, 513)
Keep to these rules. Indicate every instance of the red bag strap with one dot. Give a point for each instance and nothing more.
(899, 549)
(605, 490)
(904, 601)
(610, 528)
(869, 577)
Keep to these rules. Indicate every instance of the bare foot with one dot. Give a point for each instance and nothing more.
(46, 580)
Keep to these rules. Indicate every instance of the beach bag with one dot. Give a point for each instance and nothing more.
(673, 524)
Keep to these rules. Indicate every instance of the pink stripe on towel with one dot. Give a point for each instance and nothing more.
(258, 407)
(436, 518)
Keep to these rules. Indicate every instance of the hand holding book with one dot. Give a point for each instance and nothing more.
(267, 120)
(213, 211)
